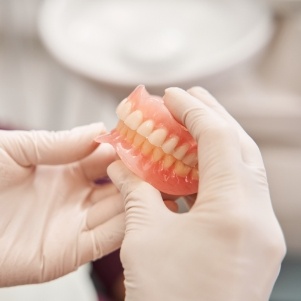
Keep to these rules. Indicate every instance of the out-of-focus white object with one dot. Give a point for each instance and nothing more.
(157, 43)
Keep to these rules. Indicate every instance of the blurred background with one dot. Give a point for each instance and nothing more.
(69, 62)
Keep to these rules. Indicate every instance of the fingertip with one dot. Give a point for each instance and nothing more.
(172, 90)
(114, 167)
(198, 90)
(136, 192)
(79, 142)
(178, 102)
(203, 95)
(93, 130)
(172, 93)
(95, 165)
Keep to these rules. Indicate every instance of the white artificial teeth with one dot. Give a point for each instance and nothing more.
(124, 109)
(195, 174)
(157, 154)
(138, 140)
(157, 137)
(146, 128)
(181, 169)
(168, 161)
(134, 120)
(169, 145)
(191, 159)
(180, 151)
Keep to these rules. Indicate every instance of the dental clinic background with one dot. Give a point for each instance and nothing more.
(67, 63)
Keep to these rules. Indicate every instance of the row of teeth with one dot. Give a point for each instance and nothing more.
(153, 141)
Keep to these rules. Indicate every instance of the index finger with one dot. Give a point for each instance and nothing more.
(216, 137)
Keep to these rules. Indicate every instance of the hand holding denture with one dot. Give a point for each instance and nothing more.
(154, 145)
(229, 246)
(53, 216)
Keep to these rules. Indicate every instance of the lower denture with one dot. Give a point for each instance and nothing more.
(153, 152)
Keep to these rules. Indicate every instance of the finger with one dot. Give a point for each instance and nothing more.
(217, 139)
(250, 152)
(104, 210)
(102, 191)
(108, 236)
(94, 166)
(102, 240)
(29, 148)
(141, 198)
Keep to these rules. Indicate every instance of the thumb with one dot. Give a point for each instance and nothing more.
(142, 201)
(29, 148)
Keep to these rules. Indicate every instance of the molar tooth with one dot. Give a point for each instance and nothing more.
(180, 151)
(138, 140)
(181, 169)
(157, 137)
(134, 120)
(124, 109)
(157, 154)
(168, 161)
(146, 128)
(169, 145)
(191, 159)
(146, 148)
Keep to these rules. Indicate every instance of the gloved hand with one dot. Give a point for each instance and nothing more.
(229, 246)
(53, 217)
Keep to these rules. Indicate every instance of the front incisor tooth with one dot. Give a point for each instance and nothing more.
(181, 169)
(191, 159)
(134, 120)
(124, 109)
(146, 128)
(169, 145)
(157, 137)
(168, 161)
(181, 151)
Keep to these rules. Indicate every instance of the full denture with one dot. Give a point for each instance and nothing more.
(154, 145)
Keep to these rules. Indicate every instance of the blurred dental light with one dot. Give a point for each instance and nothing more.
(157, 43)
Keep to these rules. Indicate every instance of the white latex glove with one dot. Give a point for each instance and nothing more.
(229, 246)
(53, 217)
